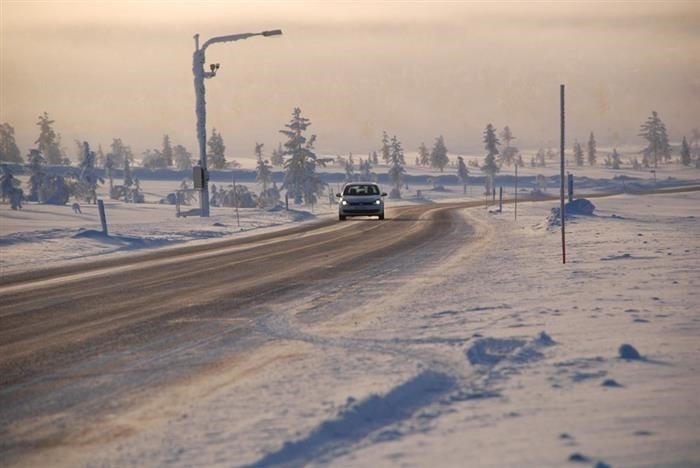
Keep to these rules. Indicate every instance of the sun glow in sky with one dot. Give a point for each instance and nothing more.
(415, 69)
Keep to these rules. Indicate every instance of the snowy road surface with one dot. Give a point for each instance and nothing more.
(444, 337)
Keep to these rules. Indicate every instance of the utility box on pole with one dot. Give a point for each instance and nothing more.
(198, 177)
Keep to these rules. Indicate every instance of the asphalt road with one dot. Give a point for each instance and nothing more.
(78, 343)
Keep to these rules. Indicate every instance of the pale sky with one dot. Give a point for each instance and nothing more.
(415, 69)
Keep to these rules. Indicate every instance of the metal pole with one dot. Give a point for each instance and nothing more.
(198, 60)
(562, 212)
(500, 199)
(200, 109)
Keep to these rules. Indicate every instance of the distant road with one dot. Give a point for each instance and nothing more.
(79, 340)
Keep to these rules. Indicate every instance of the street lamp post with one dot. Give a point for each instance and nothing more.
(200, 74)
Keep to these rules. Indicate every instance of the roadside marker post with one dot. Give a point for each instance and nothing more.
(562, 213)
(103, 217)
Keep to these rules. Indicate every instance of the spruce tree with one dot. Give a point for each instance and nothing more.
(349, 171)
(88, 178)
(263, 171)
(277, 158)
(216, 156)
(462, 173)
(438, 156)
(658, 147)
(300, 179)
(685, 153)
(615, 159)
(167, 151)
(491, 144)
(37, 173)
(386, 148)
(592, 151)
(182, 158)
(578, 154)
(508, 154)
(49, 142)
(396, 166)
(9, 151)
(128, 178)
(423, 155)
(119, 152)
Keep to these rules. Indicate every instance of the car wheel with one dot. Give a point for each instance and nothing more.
(381, 216)
(341, 218)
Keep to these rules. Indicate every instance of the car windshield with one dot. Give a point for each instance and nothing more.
(360, 190)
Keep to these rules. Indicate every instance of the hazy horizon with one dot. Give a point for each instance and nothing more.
(416, 70)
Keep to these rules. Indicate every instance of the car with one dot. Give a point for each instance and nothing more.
(360, 199)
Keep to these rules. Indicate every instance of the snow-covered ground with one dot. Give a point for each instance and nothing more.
(497, 355)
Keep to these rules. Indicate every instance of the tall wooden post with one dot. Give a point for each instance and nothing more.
(562, 213)
(103, 218)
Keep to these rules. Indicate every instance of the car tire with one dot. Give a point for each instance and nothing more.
(341, 218)
(381, 216)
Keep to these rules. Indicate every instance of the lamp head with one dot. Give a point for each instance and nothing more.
(274, 32)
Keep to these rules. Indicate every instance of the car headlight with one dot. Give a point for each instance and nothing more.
(343, 202)
(377, 202)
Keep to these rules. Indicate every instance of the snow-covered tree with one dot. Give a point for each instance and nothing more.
(509, 153)
(386, 148)
(423, 155)
(154, 159)
(491, 144)
(45, 187)
(37, 173)
(167, 151)
(263, 170)
(396, 166)
(119, 152)
(366, 170)
(658, 146)
(592, 151)
(349, 171)
(695, 140)
(182, 158)
(300, 179)
(462, 173)
(216, 156)
(88, 179)
(128, 178)
(10, 188)
(277, 158)
(9, 151)
(685, 153)
(375, 158)
(438, 156)
(49, 142)
(615, 159)
(578, 154)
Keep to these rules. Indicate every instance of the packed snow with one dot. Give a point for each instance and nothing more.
(494, 355)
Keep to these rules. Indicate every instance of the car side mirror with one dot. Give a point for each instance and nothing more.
(337, 195)
(383, 194)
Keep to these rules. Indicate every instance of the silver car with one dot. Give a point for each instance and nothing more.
(360, 199)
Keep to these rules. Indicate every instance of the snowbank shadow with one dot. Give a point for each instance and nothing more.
(362, 420)
(488, 352)
(122, 242)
